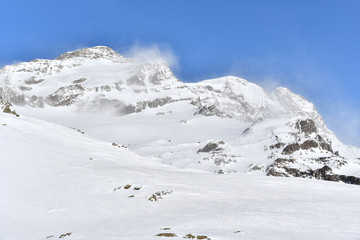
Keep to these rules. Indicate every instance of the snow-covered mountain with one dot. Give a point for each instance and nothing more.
(98, 146)
(223, 125)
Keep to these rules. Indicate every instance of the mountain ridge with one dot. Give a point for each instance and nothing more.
(263, 130)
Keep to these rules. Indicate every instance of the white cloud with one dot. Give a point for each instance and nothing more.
(152, 53)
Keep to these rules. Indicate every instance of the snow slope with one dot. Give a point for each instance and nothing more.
(56, 180)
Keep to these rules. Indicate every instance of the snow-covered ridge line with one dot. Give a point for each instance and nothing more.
(106, 94)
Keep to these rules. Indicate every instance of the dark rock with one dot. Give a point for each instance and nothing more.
(158, 102)
(24, 88)
(210, 88)
(291, 148)
(159, 195)
(7, 109)
(80, 80)
(65, 234)
(202, 237)
(319, 138)
(309, 144)
(273, 172)
(350, 179)
(306, 126)
(209, 147)
(209, 111)
(326, 146)
(166, 235)
(321, 172)
(277, 145)
(281, 161)
(190, 236)
(324, 173)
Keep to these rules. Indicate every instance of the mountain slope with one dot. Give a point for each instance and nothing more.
(223, 125)
(60, 183)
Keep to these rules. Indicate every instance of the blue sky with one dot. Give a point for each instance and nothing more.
(311, 47)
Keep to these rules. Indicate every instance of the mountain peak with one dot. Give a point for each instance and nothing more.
(96, 52)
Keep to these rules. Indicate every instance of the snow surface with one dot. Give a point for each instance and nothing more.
(92, 122)
(56, 180)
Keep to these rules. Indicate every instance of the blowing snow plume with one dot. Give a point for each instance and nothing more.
(143, 54)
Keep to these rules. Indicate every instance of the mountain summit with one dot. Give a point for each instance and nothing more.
(98, 52)
(223, 125)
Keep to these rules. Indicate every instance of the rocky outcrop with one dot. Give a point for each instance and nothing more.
(209, 111)
(323, 173)
(6, 107)
(308, 144)
(282, 168)
(65, 96)
(80, 80)
(306, 126)
(325, 145)
(211, 146)
(291, 148)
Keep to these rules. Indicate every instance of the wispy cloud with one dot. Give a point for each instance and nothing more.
(151, 53)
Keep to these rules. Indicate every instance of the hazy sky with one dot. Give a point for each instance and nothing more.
(311, 47)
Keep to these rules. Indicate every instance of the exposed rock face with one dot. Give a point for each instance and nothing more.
(306, 126)
(277, 145)
(80, 80)
(6, 107)
(324, 173)
(291, 148)
(209, 111)
(218, 154)
(65, 96)
(308, 144)
(323, 144)
(211, 146)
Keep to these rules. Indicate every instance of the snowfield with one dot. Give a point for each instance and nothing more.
(56, 180)
(97, 146)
